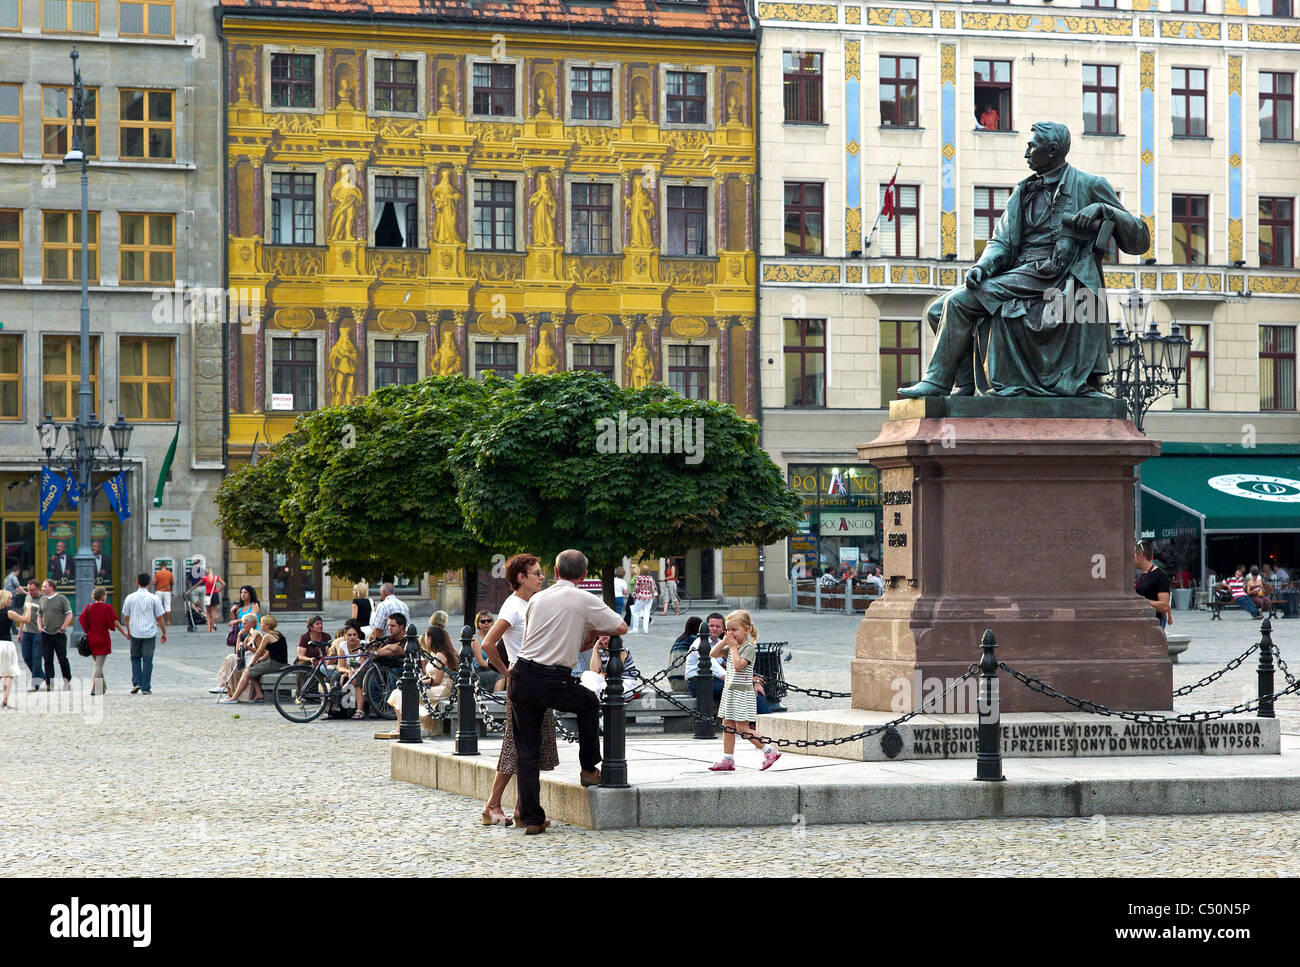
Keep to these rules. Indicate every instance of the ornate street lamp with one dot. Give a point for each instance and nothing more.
(1144, 366)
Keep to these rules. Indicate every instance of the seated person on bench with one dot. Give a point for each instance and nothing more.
(1236, 586)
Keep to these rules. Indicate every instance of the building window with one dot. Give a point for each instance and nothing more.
(990, 202)
(1194, 392)
(1102, 4)
(61, 375)
(591, 93)
(293, 208)
(70, 16)
(61, 247)
(494, 89)
(11, 15)
(146, 124)
(1276, 105)
(688, 371)
(11, 377)
(805, 362)
(1100, 99)
(293, 371)
(1191, 228)
(803, 218)
(686, 97)
(1187, 102)
(898, 104)
(1187, 6)
(993, 95)
(147, 246)
(397, 212)
(591, 210)
(1278, 8)
(397, 362)
(11, 244)
(1277, 232)
(11, 119)
(595, 357)
(905, 241)
(56, 112)
(688, 220)
(501, 358)
(803, 87)
(900, 356)
(1277, 367)
(145, 18)
(494, 215)
(293, 80)
(396, 86)
(145, 379)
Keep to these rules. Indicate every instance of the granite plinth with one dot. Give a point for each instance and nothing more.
(1021, 525)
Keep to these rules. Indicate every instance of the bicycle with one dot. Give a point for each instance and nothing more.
(313, 687)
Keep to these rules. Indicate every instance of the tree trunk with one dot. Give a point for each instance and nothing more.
(607, 585)
(470, 581)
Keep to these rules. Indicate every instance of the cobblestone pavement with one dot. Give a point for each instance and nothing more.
(173, 784)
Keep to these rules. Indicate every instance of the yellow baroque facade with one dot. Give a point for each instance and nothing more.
(465, 234)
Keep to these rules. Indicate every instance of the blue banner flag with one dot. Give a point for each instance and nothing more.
(115, 489)
(73, 491)
(51, 493)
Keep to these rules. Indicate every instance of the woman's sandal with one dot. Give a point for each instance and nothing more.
(358, 715)
(490, 820)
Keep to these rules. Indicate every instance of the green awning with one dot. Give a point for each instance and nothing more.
(1237, 493)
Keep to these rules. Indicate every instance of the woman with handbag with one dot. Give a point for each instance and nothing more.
(98, 620)
(10, 623)
(248, 604)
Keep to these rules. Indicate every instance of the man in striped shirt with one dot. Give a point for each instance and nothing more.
(1236, 586)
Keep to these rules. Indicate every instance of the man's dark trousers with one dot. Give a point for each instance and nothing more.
(51, 646)
(533, 689)
(31, 642)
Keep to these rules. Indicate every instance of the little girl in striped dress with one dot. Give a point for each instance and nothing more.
(738, 708)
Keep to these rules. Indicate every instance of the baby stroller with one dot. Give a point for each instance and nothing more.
(195, 602)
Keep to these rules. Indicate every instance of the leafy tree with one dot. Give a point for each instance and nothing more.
(248, 501)
(573, 460)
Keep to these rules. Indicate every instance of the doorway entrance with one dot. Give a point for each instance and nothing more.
(295, 583)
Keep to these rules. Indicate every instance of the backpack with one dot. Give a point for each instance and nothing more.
(342, 702)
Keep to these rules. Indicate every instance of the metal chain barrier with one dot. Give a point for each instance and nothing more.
(1277, 657)
(816, 743)
(817, 692)
(1149, 718)
(1215, 676)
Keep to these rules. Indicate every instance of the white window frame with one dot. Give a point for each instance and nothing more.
(617, 343)
(517, 117)
(319, 64)
(521, 341)
(616, 212)
(422, 203)
(710, 341)
(517, 177)
(316, 336)
(421, 83)
(711, 212)
(267, 172)
(375, 335)
(616, 71)
(710, 97)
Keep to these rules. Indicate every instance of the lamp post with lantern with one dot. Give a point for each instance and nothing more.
(1145, 364)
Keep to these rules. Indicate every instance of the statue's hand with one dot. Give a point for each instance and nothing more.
(1087, 219)
(974, 277)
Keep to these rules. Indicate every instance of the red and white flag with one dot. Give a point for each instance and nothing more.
(887, 208)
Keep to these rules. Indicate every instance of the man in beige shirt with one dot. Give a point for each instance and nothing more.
(559, 618)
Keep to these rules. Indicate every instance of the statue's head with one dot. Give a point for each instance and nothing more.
(1049, 143)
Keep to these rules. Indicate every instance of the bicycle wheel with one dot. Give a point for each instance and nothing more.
(376, 686)
(301, 693)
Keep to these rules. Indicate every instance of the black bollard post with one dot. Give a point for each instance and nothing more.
(988, 758)
(1265, 670)
(409, 728)
(704, 692)
(466, 713)
(613, 767)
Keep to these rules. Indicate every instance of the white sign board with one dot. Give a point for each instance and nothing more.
(281, 401)
(170, 525)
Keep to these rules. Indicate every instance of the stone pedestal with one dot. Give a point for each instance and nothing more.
(1014, 514)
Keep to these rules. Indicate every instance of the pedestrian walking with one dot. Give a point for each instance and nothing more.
(55, 615)
(212, 587)
(644, 589)
(10, 621)
(738, 708)
(98, 620)
(29, 637)
(524, 572)
(162, 583)
(620, 591)
(12, 584)
(670, 587)
(144, 620)
(558, 620)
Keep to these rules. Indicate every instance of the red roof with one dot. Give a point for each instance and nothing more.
(710, 16)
